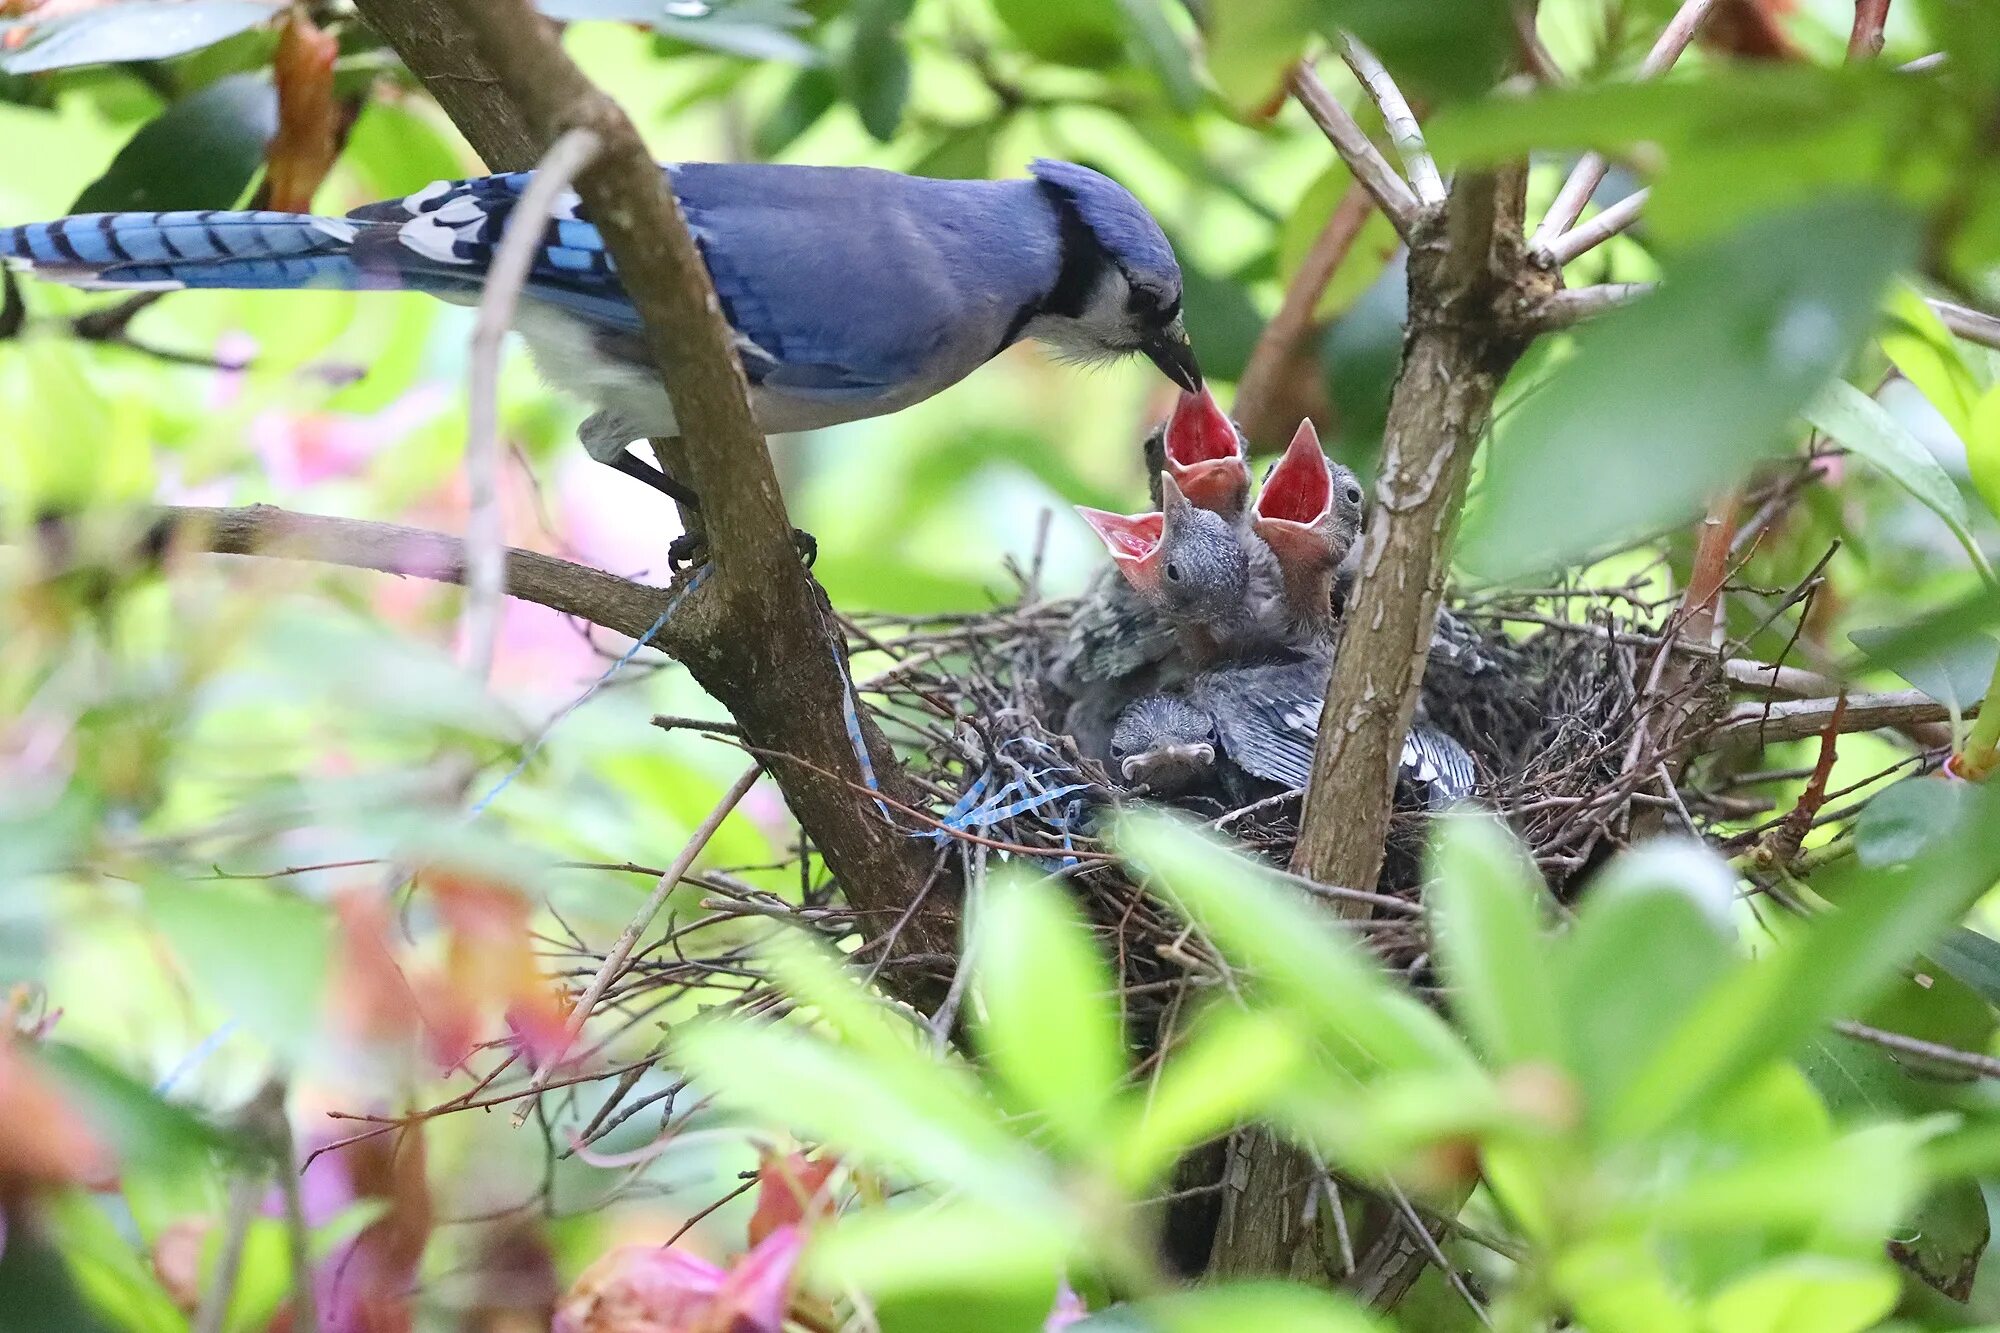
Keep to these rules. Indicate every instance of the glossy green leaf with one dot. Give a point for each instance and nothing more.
(1853, 419)
(1225, 1073)
(1924, 352)
(1047, 1014)
(1164, 50)
(145, 1131)
(134, 30)
(1806, 1294)
(1972, 957)
(928, 1124)
(1838, 965)
(1956, 674)
(1272, 931)
(199, 153)
(1982, 448)
(1650, 938)
(1251, 47)
(1089, 33)
(1486, 922)
(875, 68)
(928, 1247)
(1267, 1307)
(1901, 822)
(1437, 51)
(1760, 324)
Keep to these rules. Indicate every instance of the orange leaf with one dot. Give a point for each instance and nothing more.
(791, 1190)
(308, 139)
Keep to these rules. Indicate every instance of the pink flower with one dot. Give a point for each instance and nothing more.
(645, 1289)
(1070, 1309)
(302, 450)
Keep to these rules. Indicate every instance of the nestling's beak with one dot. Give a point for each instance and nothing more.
(1134, 543)
(1294, 512)
(1170, 350)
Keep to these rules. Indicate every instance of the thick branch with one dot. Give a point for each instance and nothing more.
(1793, 719)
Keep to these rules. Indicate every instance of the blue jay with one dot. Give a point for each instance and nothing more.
(852, 292)
(1308, 513)
(1257, 725)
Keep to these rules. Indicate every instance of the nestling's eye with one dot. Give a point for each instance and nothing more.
(1173, 572)
(1353, 493)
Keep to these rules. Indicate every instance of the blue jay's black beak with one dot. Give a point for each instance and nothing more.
(1170, 350)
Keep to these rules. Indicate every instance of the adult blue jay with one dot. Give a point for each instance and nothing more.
(852, 292)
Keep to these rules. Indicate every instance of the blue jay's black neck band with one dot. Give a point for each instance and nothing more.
(1081, 261)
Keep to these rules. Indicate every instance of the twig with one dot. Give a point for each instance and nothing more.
(1562, 309)
(1795, 719)
(1286, 344)
(244, 1194)
(1422, 1231)
(1396, 114)
(1588, 174)
(1587, 236)
(1974, 326)
(614, 961)
(520, 241)
(1864, 42)
(1391, 194)
(1534, 55)
(1985, 1066)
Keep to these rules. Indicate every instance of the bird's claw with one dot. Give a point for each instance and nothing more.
(691, 548)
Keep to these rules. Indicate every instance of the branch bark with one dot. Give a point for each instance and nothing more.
(758, 634)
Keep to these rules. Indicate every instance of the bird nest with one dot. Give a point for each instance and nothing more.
(1551, 716)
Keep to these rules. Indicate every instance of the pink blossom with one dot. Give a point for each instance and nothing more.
(645, 1289)
(301, 450)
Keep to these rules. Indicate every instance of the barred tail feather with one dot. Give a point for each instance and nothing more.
(240, 250)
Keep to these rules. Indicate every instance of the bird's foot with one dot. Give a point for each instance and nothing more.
(691, 548)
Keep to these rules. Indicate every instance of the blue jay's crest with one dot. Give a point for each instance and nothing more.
(1122, 226)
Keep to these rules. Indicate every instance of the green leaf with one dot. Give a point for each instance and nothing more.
(1971, 957)
(1251, 47)
(199, 153)
(1851, 418)
(1266, 1307)
(1486, 921)
(1087, 33)
(1272, 931)
(1164, 51)
(1944, 1240)
(1805, 1294)
(134, 30)
(1851, 1189)
(810, 95)
(1982, 448)
(144, 1130)
(910, 1248)
(1441, 50)
(1047, 1018)
(875, 68)
(1899, 824)
(1651, 938)
(1835, 967)
(1956, 674)
(1760, 324)
(107, 1269)
(1225, 1074)
(932, 1126)
(259, 954)
(1370, 254)
(1924, 352)
(753, 29)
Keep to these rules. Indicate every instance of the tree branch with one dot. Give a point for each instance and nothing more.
(1582, 239)
(1396, 114)
(1392, 195)
(758, 634)
(1794, 719)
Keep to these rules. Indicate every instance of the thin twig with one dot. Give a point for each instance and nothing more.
(1573, 306)
(1587, 236)
(1985, 1066)
(1864, 41)
(1974, 326)
(1362, 157)
(1588, 174)
(244, 1193)
(520, 242)
(1396, 114)
(621, 952)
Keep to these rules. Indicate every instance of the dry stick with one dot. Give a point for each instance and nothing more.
(1589, 171)
(1985, 1066)
(1396, 114)
(1864, 42)
(1589, 235)
(1289, 334)
(614, 962)
(1361, 156)
(1972, 325)
(520, 242)
(1795, 719)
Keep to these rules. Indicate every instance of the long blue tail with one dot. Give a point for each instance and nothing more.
(238, 249)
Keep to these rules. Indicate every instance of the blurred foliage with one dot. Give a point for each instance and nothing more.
(218, 779)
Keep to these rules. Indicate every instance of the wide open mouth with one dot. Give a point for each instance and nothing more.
(1199, 432)
(1300, 488)
(1132, 539)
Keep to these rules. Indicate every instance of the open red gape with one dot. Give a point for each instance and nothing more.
(1199, 431)
(1132, 539)
(1300, 487)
